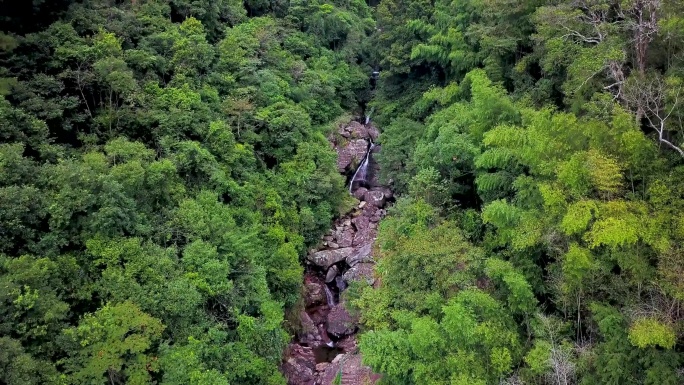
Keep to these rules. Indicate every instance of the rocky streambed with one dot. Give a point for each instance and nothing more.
(325, 348)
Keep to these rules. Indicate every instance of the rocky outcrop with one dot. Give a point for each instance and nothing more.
(356, 130)
(332, 273)
(375, 198)
(300, 366)
(362, 254)
(309, 333)
(326, 258)
(340, 322)
(350, 370)
(362, 271)
(351, 154)
(314, 293)
(326, 342)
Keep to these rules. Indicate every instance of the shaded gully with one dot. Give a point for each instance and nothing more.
(325, 348)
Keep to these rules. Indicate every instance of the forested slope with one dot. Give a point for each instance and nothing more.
(538, 149)
(163, 167)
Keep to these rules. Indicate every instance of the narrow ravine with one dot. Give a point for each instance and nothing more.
(326, 349)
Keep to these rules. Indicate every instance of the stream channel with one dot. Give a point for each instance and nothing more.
(325, 348)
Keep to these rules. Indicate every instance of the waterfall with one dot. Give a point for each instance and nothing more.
(329, 296)
(362, 170)
(369, 116)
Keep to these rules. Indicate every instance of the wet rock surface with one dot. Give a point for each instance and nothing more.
(350, 370)
(340, 323)
(351, 154)
(326, 345)
(328, 257)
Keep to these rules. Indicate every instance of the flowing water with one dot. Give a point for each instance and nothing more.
(330, 296)
(361, 175)
(311, 356)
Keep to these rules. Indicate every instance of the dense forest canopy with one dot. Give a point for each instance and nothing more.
(164, 167)
(538, 149)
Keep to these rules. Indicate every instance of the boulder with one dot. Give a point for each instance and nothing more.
(351, 154)
(361, 271)
(345, 237)
(358, 130)
(385, 190)
(375, 198)
(360, 223)
(348, 344)
(344, 131)
(369, 211)
(373, 132)
(362, 254)
(309, 333)
(352, 371)
(340, 283)
(340, 323)
(314, 294)
(360, 193)
(364, 236)
(299, 366)
(326, 258)
(333, 271)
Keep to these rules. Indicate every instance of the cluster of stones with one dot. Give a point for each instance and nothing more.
(345, 254)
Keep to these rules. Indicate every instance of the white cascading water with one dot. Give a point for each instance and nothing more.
(329, 297)
(363, 168)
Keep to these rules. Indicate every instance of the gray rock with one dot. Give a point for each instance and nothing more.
(360, 193)
(360, 271)
(358, 130)
(352, 369)
(364, 237)
(345, 238)
(373, 132)
(333, 271)
(340, 323)
(333, 245)
(326, 258)
(340, 283)
(375, 198)
(314, 294)
(362, 254)
(344, 131)
(360, 223)
(299, 365)
(309, 333)
(351, 154)
(385, 190)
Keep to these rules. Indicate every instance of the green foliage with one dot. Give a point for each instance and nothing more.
(530, 127)
(113, 343)
(470, 338)
(163, 168)
(649, 332)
